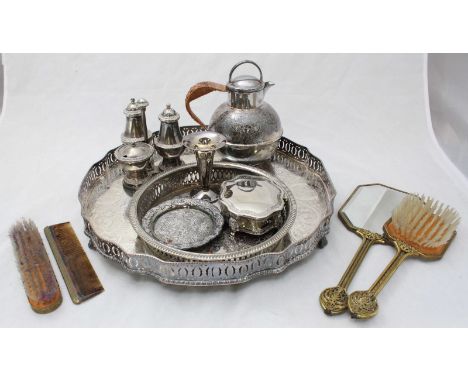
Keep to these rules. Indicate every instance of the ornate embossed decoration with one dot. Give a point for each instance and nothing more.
(407, 248)
(370, 235)
(183, 223)
(362, 304)
(334, 300)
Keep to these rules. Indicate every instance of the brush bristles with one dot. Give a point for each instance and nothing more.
(424, 221)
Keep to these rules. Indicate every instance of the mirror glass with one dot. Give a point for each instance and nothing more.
(370, 206)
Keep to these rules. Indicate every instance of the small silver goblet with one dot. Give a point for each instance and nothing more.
(205, 144)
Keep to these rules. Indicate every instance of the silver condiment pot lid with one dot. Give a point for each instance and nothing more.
(133, 108)
(169, 115)
(142, 103)
(134, 153)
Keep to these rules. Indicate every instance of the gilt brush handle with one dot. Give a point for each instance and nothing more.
(335, 300)
(388, 272)
(356, 262)
(363, 304)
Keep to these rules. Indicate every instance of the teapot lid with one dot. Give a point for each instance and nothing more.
(245, 83)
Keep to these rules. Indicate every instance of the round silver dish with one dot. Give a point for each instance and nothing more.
(182, 180)
(182, 223)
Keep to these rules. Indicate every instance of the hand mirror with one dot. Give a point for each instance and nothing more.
(364, 213)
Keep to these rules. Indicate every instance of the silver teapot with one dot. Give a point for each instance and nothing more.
(251, 126)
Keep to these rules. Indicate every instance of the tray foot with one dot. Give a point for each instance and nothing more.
(91, 245)
(322, 242)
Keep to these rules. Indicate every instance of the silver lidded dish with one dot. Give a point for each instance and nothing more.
(136, 163)
(253, 204)
(182, 223)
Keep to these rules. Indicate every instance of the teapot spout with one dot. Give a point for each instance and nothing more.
(268, 85)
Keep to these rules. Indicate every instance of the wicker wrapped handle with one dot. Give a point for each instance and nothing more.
(199, 90)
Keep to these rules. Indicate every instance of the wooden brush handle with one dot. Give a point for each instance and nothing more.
(199, 90)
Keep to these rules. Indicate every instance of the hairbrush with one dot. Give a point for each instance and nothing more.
(40, 283)
(419, 227)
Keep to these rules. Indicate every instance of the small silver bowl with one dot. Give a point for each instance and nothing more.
(183, 223)
(253, 204)
(135, 160)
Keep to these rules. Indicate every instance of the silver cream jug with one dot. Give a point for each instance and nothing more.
(251, 126)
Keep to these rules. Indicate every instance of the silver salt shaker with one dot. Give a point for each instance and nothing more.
(169, 143)
(135, 126)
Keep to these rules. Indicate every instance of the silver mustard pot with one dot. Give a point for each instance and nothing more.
(251, 126)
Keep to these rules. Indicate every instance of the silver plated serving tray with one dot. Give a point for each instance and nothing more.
(104, 207)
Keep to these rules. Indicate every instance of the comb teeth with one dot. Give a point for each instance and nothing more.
(38, 276)
(424, 221)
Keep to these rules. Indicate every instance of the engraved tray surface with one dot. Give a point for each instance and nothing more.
(104, 207)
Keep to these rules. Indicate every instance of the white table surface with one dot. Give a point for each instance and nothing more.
(363, 115)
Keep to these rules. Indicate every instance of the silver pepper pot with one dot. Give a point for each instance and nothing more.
(169, 144)
(135, 126)
(143, 104)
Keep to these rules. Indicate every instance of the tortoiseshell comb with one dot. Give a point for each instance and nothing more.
(78, 273)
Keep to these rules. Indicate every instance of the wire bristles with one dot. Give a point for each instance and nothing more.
(424, 221)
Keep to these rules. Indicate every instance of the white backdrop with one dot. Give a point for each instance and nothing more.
(363, 115)
(448, 96)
